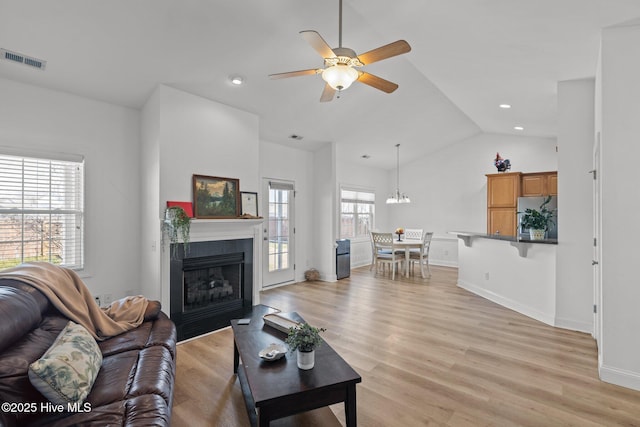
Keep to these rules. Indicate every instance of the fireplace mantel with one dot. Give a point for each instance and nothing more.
(222, 229)
(203, 230)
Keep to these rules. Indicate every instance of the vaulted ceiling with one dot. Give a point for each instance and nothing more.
(468, 56)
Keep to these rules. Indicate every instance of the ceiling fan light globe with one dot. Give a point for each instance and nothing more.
(339, 76)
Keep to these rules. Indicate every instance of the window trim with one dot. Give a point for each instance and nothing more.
(68, 162)
(347, 187)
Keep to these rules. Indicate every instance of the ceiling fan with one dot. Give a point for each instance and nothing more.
(341, 63)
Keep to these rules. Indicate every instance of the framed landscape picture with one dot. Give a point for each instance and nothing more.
(216, 197)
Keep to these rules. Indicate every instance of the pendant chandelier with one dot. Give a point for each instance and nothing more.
(397, 196)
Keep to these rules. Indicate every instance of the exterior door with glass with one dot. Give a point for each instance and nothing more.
(278, 232)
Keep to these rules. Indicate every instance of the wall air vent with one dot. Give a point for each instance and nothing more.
(22, 59)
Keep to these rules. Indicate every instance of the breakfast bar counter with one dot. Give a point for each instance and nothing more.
(515, 273)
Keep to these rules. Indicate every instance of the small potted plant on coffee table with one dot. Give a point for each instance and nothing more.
(305, 338)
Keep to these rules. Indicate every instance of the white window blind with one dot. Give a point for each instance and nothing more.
(357, 208)
(41, 211)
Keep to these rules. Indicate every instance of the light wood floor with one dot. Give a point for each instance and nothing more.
(429, 353)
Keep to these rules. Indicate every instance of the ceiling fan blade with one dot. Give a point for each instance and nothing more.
(295, 73)
(317, 42)
(383, 52)
(377, 82)
(327, 93)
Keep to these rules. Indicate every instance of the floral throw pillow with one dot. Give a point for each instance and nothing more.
(67, 370)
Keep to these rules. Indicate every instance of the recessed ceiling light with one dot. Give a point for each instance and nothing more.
(518, 128)
(237, 80)
(505, 106)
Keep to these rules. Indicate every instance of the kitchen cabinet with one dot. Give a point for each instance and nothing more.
(539, 184)
(503, 190)
(502, 221)
(552, 184)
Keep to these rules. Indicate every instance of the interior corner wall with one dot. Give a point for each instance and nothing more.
(150, 196)
(620, 151)
(574, 273)
(325, 214)
(40, 121)
(280, 162)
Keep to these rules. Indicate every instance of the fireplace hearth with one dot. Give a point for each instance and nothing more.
(211, 285)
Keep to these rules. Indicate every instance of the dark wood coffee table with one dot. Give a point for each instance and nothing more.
(278, 389)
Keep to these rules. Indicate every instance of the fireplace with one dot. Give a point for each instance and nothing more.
(211, 285)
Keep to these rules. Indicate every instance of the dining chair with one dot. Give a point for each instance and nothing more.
(384, 252)
(413, 233)
(421, 255)
(375, 251)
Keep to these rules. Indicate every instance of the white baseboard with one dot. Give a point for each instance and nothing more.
(574, 325)
(620, 377)
(547, 318)
(360, 264)
(443, 263)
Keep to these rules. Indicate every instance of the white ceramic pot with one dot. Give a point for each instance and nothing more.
(306, 359)
(536, 234)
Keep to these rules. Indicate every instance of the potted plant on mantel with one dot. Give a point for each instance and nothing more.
(305, 338)
(177, 224)
(538, 221)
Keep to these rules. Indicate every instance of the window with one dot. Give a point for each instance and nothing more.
(357, 213)
(280, 205)
(41, 211)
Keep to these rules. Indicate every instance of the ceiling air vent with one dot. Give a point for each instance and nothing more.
(23, 59)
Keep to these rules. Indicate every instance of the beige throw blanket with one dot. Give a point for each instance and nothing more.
(68, 293)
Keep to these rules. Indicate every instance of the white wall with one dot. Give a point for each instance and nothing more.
(150, 196)
(620, 151)
(495, 270)
(45, 121)
(200, 136)
(285, 163)
(188, 135)
(369, 178)
(448, 189)
(574, 280)
(324, 206)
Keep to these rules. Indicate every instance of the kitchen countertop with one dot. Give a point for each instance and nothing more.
(469, 234)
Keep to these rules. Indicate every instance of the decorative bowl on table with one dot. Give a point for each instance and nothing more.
(273, 352)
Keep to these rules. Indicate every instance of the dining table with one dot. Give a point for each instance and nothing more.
(407, 245)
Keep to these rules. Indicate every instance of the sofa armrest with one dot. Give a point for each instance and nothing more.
(163, 332)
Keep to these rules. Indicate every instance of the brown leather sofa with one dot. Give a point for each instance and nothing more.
(134, 385)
